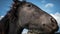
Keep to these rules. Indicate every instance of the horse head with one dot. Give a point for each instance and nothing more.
(27, 15)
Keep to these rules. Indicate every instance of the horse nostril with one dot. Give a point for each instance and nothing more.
(53, 20)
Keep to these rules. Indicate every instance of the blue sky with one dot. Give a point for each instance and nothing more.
(50, 6)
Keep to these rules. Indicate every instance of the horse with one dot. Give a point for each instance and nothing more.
(25, 14)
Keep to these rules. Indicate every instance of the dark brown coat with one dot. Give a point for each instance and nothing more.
(27, 15)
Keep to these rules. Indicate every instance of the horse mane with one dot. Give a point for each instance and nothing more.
(12, 13)
(10, 17)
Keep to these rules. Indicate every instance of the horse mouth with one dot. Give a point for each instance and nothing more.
(50, 28)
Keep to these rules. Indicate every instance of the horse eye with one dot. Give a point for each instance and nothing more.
(29, 5)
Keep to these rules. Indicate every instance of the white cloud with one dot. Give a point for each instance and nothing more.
(25, 31)
(48, 5)
(57, 17)
(1, 17)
